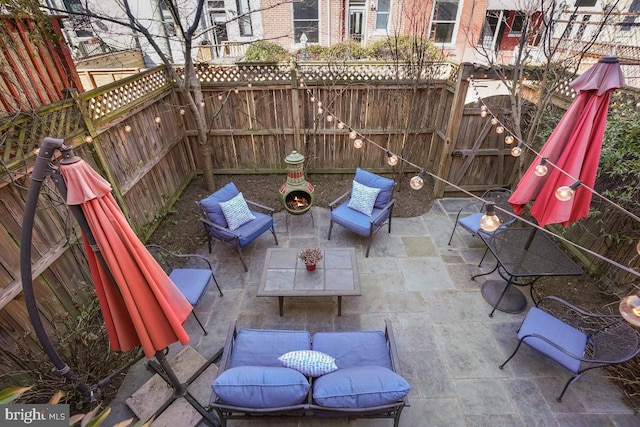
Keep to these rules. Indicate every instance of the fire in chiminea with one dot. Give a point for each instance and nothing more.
(296, 194)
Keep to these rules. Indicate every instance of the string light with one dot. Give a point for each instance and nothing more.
(340, 125)
(500, 129)
(630, 309)
(516, 151)
(566, 192)
(353, 134)
(494, 121)
(88, 139)
(417, 182)
(541, 169)
(157, 119)
(490, 221)
(392, 159)
(219, 97)
(483, 114)
(329, 118)
(313, 99)
(319, 103)
(508, 139)
(202, 103)
(127, 128)
(357, 143)
(182, 112)
(320, 110)
(236, 90)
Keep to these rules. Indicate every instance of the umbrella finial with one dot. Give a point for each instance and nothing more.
(67, 155)
(609, 60)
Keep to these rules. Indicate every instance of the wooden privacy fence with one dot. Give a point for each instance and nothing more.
(135, 133)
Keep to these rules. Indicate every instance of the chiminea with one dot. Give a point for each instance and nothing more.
(296, 195)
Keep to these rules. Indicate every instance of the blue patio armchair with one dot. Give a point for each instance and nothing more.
(233, 220)
(366, 207)
(576, 339)
(469, 215)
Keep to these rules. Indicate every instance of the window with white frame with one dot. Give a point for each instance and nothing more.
(218, 20)
(244, 17)
(631, 21)
(80, 24)
(382, 15)
(305, 20)
(443, 23)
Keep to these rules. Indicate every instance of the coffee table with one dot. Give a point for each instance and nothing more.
(284, 275)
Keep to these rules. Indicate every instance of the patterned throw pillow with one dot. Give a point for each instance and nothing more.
(308, 362)
(363, 198)
(236, 212)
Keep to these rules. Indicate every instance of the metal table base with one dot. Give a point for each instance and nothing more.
(509, 300)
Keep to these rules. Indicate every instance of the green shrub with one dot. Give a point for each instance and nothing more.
(264, 51)
(347, 50)
(404, 48)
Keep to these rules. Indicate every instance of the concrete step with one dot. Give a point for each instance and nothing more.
(155, 392)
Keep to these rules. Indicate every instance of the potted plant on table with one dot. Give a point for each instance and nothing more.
(310, 257)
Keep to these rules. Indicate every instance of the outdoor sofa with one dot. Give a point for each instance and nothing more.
(252, 382)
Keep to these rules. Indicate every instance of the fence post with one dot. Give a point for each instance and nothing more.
(295, 106)
(453, 127)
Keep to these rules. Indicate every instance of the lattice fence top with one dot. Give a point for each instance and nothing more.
(125, 93)
(352, 72)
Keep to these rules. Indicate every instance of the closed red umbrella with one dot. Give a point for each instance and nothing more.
(140, 304)
(573, 147)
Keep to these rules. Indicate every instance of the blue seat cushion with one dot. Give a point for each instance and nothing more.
(261, 387)
(555, 330)
(353, 349)
(191, 282)
(471, 223)
(385, 185)
(262, 347)
(211, 204)
(357, 221)
(361, 387)
(248, 231)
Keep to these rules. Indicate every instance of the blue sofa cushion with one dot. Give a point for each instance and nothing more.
(191, 282)
(261, 347)
(211, 204)
(261, 387)
(354, 349)
(555, 330)
(361, 387)
(309, 362)
(356, 221)
(363, 198)
(385, 185)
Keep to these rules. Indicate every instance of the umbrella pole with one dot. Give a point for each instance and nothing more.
(41, 170)
(530, 239)
(179, 389)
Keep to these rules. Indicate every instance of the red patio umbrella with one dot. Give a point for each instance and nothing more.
(573, 147)
(140, 304)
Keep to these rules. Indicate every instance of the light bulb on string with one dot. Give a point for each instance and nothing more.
(353, 134)
(357, 143)
(508, 139)
(329, 118)
(320, 110)
(319, 103)
(494, 121)
(483, 113)
(127, 128)
(638, 248)
(516, 151)
(417, 181)
(630, 309)
(566, 192)
(182, 111)
(500, 129)
(88, 138)
(219, 97)
(340, 125)
(157, 119)
(392, 159)
(541, 169)
(236, 90)
(249, 84)
(483, 107)
(202, 103)
(489, 221)
(313, 99)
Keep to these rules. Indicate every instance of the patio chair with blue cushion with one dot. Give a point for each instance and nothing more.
(575, 339)
(365, 207)
(226, 217)
(191, 273)
(469, 215)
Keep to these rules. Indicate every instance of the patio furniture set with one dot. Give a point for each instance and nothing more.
(284, 373)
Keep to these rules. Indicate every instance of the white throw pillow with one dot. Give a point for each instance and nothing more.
(363, 198)
(309, 362)
(236, 211)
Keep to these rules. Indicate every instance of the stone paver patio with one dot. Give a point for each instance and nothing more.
(449, 347)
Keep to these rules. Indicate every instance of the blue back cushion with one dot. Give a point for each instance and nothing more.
(211, 204)
(261, 347)
(385, 185)
(353, 349)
